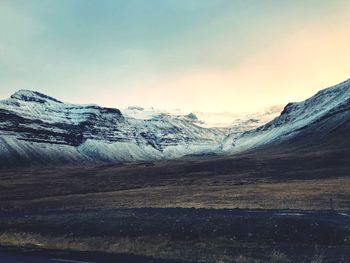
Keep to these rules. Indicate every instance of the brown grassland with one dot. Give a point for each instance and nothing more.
(144, 208)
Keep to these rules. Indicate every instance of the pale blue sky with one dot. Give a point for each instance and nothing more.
(186, 54)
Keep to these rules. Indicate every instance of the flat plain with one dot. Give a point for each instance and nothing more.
(280, 205)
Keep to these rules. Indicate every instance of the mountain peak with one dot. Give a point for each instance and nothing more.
(191, 116)
(29, 95)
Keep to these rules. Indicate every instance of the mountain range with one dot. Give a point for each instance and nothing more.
(36, 129)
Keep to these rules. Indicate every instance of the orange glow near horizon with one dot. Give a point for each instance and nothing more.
(207, 56)
(293, 69)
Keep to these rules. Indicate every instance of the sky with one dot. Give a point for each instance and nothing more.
(193, 55)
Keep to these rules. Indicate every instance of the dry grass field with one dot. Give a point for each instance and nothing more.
(264, 206)
(252, 180)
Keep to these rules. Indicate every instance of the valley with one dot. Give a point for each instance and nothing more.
(158, 186)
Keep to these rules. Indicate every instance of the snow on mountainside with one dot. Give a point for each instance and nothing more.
(35, 128)
(239, 122)
(229, 122)
(38, 129)
(295, 118)
(141, 113)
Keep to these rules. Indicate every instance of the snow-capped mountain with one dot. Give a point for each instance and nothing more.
(238, 122)
(38, 129)
(225, 121)
(321, 115)
(35, 128)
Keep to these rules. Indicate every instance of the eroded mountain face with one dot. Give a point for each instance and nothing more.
(329, 107)
(38, 129)
(33, 124)
(35, 117)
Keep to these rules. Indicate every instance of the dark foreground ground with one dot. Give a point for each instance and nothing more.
(37, 255)
(30, 255)
(212, 235)
(266, 206)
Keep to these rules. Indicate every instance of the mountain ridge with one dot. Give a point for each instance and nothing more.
(36, 129)
(294, 118)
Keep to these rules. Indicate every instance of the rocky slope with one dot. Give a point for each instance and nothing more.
(35, 129)
(322, 118)
(38, 129)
